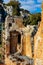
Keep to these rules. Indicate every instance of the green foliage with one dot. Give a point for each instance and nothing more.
(25, 11)
(35, 18)
(32, 19)
(16, 7)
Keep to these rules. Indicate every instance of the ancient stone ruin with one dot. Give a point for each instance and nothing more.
(22, 45)
(18, 42)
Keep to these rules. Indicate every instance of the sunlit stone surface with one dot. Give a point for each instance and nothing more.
(38, 43)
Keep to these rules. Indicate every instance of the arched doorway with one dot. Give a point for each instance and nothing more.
(15, 38)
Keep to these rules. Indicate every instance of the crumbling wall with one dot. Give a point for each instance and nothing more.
(26, 40)
(18, 60)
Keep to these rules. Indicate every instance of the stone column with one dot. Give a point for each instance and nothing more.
(26, 45)
(7, 36)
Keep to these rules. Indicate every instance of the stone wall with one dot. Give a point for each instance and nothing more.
(38, 44)
(27, 34)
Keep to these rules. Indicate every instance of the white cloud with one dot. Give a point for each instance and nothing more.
(31, 8)
(27, 2)
(31, 5)
(6, 1)
(37, 5)
(39, 1)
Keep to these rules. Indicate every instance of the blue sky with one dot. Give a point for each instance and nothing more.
(32, 5)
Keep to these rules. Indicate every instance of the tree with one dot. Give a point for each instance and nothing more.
(25, 11)
(1, 1)
(16, 7)
(32, 19)
(35, 18)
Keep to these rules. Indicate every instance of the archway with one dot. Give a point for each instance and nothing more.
(15, 38)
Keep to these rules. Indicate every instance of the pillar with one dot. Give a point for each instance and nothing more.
(26, 45)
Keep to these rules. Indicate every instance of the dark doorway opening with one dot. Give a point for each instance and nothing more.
(19, 38)
(15, 38)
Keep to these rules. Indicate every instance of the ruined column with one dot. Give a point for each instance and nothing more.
(26, 45)
(7, 36)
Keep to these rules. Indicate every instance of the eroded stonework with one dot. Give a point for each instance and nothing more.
(18, 41)
(22, 45)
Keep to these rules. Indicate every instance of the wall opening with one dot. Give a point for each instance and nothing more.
(15, 38)
(19, 38)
